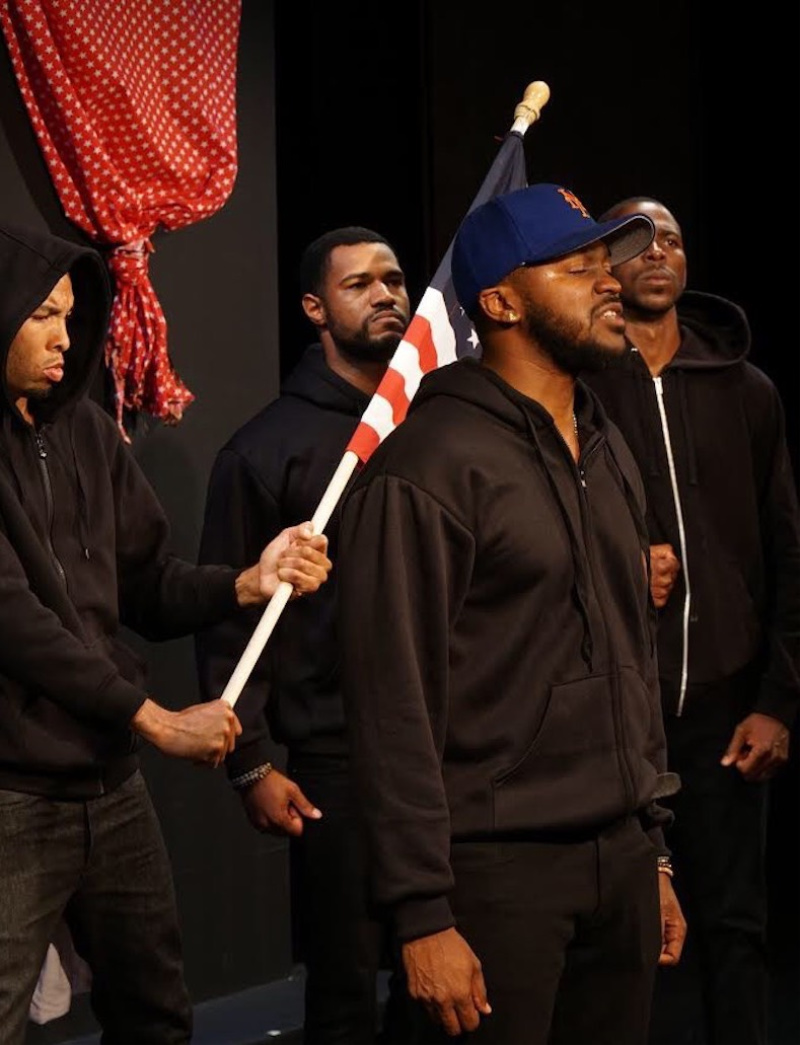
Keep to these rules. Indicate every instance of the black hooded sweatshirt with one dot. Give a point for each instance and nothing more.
(83, 549)
(497, 634)
(709, 437)
(270, 474)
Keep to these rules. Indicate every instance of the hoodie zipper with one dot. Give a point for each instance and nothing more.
(41, 453)
(585, 457)
(687, 599)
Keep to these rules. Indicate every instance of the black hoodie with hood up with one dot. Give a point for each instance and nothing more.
(498, 638)
(709, 437)
(83, 549)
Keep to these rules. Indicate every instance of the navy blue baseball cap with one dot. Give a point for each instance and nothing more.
(530, 226)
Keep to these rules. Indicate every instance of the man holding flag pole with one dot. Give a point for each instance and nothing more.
(497, 641)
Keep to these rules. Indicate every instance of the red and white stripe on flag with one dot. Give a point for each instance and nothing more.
(429, 343)
(439, 332)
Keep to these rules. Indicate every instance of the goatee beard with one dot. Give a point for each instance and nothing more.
(370, 351)
(563, 343)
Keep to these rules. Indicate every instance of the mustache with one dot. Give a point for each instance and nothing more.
(391, 310)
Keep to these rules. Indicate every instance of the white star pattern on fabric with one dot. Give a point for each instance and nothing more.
(440, 331)
(133, 103)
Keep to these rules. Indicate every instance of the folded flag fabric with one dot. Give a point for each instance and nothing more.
(439, 331)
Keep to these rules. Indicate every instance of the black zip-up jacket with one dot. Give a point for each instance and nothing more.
(83, 548)
(497, 635)
(273, 473)
(709, 438)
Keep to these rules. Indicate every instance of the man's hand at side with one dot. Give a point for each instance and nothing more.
(673, 923)
(444, 974)
(759, 747)
(664, 569)
(277, 805)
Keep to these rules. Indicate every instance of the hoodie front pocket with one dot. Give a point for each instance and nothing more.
(570, 777)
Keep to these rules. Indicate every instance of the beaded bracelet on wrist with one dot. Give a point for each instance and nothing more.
(251, 776)
(665, 866)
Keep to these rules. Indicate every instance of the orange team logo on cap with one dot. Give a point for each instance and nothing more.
(574, 202)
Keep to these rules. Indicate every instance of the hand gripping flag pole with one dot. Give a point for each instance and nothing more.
(439, 333)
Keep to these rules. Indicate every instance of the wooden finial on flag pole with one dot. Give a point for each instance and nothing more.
(530, 108)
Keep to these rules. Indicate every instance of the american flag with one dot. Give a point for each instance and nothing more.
(439, 331)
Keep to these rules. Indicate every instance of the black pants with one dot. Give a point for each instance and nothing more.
(340, 939)
(103, 865)
(568, 935)
(718, 993)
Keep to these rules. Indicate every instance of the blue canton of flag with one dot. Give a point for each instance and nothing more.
(439, 331)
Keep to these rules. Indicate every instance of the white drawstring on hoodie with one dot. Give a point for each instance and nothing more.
(687, 599)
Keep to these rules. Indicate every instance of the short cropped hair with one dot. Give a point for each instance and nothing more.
(629, 201)
(316, 257)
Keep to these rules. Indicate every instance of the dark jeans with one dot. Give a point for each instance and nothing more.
(718, 992)
(340, 939)
(103, 865)
(568, 935)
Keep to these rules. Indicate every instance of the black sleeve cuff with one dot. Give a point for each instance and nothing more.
(415, 918)
(242, 760)
(778, 702)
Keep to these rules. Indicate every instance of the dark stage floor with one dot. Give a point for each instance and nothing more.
(273, 1013)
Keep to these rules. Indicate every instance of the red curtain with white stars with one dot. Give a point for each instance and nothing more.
(133, 103)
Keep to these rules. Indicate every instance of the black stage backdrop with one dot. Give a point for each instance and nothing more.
(393, 124)
(349, 114)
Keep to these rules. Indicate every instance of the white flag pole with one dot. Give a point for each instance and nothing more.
(269, 618)
(527, 112)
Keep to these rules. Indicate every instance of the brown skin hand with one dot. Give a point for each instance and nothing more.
(444, 974)
(664, 569)
(759, 747)
(673, 923)
(296, 556)
(276, 805)
(204, 733)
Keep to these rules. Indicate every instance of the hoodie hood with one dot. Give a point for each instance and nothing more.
(314, 381)
(715, 332)
(31, 263)
(470, 380)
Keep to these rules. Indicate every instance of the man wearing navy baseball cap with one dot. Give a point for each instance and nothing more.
(531, 226)
(498, 651)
